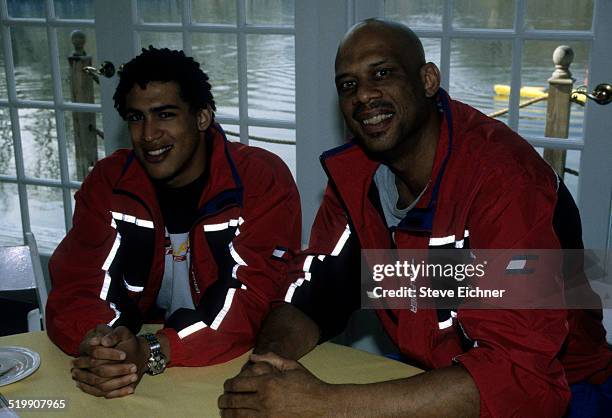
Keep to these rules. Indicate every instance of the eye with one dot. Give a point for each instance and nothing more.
(345, 86)
(133, 117)
(166, 115)
(382, 73)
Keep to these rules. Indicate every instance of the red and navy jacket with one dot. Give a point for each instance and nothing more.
(109, 267)
(489, 189)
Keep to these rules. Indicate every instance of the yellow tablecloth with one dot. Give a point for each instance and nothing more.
(179, 391)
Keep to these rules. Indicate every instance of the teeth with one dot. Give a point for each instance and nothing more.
(377, 119)
(160, 151)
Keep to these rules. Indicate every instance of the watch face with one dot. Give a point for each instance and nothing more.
(156, 363)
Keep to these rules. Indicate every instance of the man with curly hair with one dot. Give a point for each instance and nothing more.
(185, 228)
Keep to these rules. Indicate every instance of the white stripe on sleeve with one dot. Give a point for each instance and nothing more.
(117, 314)
(133, 288)
(226, 307)
(343, 238)
(106, 266)
(191, 329)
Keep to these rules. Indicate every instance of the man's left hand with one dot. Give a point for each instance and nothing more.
(289, 390)
(115, 379)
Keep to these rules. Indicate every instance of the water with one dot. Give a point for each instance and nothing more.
(475, 67)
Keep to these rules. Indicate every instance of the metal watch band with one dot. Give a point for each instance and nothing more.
(156, 363)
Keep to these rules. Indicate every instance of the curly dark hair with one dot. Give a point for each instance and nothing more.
(165, 65)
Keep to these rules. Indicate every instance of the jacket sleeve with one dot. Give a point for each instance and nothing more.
(324, 279)
(514, 359)
(80, 270)
(252, 272)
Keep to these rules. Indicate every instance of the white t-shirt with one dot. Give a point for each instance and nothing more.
(387, 191)
(175, 292)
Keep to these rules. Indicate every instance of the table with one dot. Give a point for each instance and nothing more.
(179, 391)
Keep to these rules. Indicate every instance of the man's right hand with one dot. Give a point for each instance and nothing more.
(251, 368)
(101, 369)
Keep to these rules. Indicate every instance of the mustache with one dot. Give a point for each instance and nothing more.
(376, 104)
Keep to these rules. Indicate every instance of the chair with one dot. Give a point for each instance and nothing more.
(20, 269)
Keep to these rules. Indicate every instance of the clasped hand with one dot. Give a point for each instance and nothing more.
(270, 385)
(111, 362)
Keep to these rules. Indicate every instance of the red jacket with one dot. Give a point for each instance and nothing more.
(495, 192)
(109, 267)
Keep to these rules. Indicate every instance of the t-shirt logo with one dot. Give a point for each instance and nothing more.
(178, 249)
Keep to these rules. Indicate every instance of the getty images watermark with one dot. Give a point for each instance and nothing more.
(485, 279)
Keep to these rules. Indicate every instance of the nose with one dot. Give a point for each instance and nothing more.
(366, 92)
(150, 130)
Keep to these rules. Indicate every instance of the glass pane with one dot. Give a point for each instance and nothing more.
(85, 135)
(417, 13)
(232, 132)
(559, 14)
(11, 232)
(32, 8)
(172, 40)
(492, 14)
(432, 49)
(39, 142)
(160, 11)
(3, 91)
(70, 9)
(7, 156)
(270, 12)
(572, 170)
(537, 69)
(46, 216)
(214, 11)
(217, 54)
(32, 66)
(85, 89)
(271, 76)
(476, 67)
(279, 141)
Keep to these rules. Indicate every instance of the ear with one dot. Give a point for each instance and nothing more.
(430, 77)
(204, 117)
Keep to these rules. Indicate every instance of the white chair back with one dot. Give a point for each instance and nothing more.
(20, 269)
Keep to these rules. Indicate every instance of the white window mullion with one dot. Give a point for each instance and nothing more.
(243, 92)
(14, 115)
(135, 22)
(70, 106)
(271, 123)
(445, 44)
(186, 27)
(25, 21)
(555, 143)
(358, 10)
(56, 23)
(517, 65)
(59, 115)
(38, 182)
(553, 35)
(351, 13)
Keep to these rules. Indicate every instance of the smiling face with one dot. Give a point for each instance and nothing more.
(383, 87)
(167, 135)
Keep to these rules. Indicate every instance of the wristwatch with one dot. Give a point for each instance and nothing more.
(156, 363)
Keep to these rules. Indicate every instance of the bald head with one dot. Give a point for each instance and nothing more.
(386, 90)
(400, 36)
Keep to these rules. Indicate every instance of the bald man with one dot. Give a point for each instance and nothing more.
(423, 172)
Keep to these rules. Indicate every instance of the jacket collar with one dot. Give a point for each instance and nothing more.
(353, 184)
